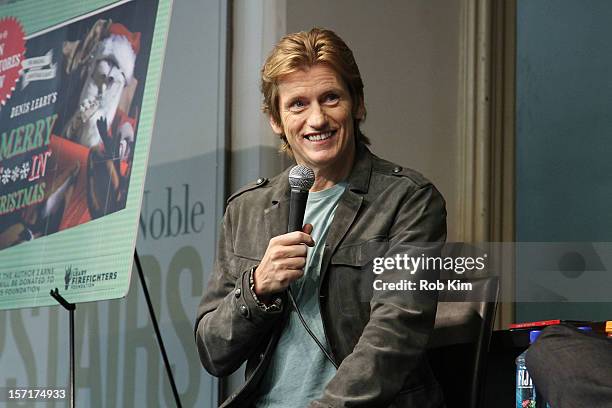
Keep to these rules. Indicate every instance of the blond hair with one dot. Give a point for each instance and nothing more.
(305, 49)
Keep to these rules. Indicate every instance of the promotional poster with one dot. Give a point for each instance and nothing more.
(118, 360)
(77, 101)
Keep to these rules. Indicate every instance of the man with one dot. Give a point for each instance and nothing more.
(571, 368)
(360, 207)
(106, 58)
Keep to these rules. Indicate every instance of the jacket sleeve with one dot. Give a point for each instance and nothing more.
(394, 340)
(229, 323)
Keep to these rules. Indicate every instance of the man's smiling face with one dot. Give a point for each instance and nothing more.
(316, 117)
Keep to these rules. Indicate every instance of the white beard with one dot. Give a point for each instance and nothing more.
(98, 101)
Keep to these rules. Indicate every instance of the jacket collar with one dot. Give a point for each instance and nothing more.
(358, 179)
(348, 206)
(277, 214)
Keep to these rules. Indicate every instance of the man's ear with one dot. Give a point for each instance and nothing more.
(276, 128)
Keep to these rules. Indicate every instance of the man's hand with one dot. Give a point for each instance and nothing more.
(283, 262)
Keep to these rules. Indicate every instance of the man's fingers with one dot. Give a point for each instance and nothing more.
(291, 275)
(294, 238)
(294, 263)
(284, 261)
(290, 251)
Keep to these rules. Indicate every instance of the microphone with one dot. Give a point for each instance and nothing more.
(301, 179)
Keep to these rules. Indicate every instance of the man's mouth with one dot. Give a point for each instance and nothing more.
(317, 137)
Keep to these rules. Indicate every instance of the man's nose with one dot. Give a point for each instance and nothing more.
(317, 118)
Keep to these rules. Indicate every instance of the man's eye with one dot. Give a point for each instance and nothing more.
(331, 98)
(297, 104)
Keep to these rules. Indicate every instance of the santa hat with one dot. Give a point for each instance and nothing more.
(122, 46)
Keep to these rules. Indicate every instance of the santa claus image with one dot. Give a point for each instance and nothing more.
(106, 58)
(89, 168)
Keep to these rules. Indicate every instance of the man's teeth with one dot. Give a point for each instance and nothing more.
(320, 136)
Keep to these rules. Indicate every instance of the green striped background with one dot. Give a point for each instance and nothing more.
(106, 244)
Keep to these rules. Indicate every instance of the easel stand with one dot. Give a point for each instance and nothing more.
(160, 342)
(70, 307)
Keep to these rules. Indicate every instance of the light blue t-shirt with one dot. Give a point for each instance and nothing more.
(298, 371)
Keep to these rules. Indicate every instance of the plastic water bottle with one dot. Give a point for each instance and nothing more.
(525, 391)
(526, 395)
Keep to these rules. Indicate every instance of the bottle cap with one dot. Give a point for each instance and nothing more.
(533, 335)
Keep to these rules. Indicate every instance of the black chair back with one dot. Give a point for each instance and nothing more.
(458, 348)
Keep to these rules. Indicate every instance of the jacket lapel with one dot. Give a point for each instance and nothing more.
(347, 210)
(276, 216)
(349, 205)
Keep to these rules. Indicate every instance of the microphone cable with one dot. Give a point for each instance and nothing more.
(301, 179)
(308, 330)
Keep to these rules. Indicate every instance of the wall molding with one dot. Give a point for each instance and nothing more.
(486, 115)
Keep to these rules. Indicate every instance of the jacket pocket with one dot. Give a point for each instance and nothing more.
(351, 274)
(360, 254)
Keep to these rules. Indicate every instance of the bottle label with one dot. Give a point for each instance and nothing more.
(523, 379)
(528, 403)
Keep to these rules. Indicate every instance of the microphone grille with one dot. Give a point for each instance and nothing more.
(301, 178)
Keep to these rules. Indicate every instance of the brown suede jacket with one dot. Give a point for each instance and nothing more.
(378, 338)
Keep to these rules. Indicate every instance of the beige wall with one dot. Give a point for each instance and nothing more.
(408, 53)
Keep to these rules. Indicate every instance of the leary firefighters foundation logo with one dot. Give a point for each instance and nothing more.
(76, 278)
(67, 277)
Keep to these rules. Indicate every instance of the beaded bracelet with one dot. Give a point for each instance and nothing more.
(275, 306)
